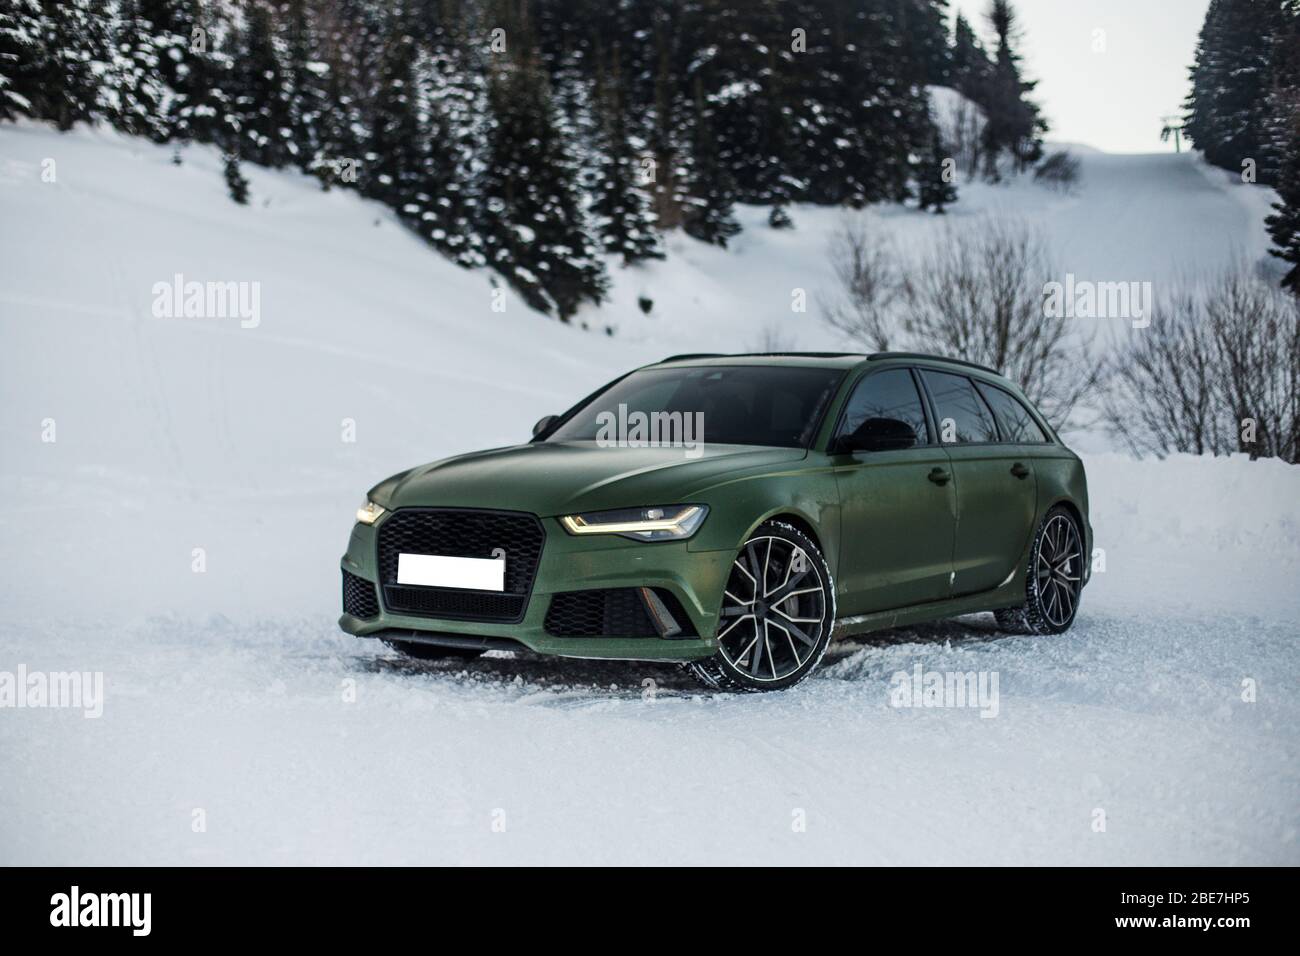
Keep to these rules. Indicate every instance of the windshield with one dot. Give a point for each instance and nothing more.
(728, 405)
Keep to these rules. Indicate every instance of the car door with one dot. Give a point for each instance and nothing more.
(993, 480)
(897, 506)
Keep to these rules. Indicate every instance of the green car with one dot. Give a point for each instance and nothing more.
(731, 512)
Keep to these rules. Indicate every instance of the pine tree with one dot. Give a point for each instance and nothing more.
(708, 214)
(533, 227)
(135, 98)
(304, 91)
(260, 101)
(394, 157)
(621, 214)
(925, 32)
(235, 181)
(1014, 125)
(19, 50)
(1284, 224)
(935, 188)
(68, 53)
(1281, 110)
(1230, 81)
(197, 67)
(970, 69)
(456, 96)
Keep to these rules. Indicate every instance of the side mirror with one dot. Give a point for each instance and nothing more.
(877, 434)
(544, 423)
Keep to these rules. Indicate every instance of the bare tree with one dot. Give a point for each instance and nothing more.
(1217, 371)
(1256, 332)
(1163, 393)
(980, 295)
(868, 284)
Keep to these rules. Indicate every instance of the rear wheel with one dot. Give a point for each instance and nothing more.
(431, 652)
(778, 609)
(1053, 580)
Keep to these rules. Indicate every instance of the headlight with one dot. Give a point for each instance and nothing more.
(657, 523)
(369, 513)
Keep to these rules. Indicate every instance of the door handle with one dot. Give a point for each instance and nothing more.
(939, 476)
(1019, 470)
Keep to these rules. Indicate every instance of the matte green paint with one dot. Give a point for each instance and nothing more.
(902, 549)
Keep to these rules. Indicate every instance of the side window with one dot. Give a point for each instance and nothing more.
(881, 402)
(962, 415)
(1013, 418)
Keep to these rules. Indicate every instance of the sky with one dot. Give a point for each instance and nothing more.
(1108, 70)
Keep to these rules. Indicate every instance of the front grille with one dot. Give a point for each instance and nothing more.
(461, 534)
(359, 598)
(610, 612)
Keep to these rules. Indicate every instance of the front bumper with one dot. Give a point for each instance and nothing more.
(569, 563)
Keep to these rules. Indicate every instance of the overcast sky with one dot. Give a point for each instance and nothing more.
(1112, 99)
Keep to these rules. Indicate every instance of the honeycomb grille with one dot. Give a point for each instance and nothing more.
(359, 598)
(609, 612)
(461, 534)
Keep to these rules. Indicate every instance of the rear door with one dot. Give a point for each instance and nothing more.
(993, 479)
(897, 520)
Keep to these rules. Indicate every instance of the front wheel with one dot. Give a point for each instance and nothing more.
(1053, 580)
(778, 609)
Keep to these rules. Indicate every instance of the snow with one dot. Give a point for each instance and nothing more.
(231, 692)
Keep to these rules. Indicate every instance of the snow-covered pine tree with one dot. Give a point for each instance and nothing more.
(455, 91)
(1281, 109)
(1230, 81)
(709, 211)
(19, 50)
(199, 70)
(303, 77)
(260, 100)
(934, 187)
(394, 159)
(532, 221)
(1014, 124)
(620, 209)
(1284, 224)
(68, 55)
(235, 181)
(135, 92)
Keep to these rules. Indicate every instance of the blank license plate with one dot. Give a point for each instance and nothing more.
(441, 571)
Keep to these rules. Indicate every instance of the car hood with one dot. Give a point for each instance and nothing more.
(553, 478)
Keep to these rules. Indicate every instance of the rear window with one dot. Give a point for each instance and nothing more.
(963, 416)
(1013, 418)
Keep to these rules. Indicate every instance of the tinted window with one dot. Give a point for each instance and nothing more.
(962, 415)
(1013, 418)
(737, 404)
(882, 397)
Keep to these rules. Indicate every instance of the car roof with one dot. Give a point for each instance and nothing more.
(842, 360)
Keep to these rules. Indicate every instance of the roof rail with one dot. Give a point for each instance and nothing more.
(704, 355)
(691, 355)
(936, 358)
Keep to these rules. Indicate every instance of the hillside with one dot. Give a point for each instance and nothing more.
(177, 434)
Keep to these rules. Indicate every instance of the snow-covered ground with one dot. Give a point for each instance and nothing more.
(230, 691)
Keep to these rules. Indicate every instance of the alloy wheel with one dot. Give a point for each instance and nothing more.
(773, 610)
(1058, 567)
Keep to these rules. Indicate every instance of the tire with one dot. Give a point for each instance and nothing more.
(768, 644)
(1053, 579)
(431, 652)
